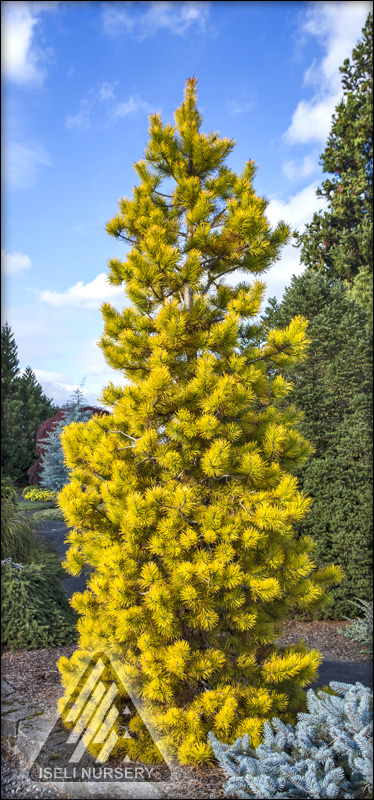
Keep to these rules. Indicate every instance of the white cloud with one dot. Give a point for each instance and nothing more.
(294, 170)
(22, 163)
(90, 365)
(53, 342)
(83, 118)
(279, 276)
(85, 295)
(18, 61)
(56, 386)
(48, 375)
(116, 19)
(337, 26)
(311, 121)
(106, 90)
(298, 209)
(21, 58)
(144, 19)
(60, 392)
(102, 102)
(38, 335)
(12, 263)
(102, 92)
(132, 106)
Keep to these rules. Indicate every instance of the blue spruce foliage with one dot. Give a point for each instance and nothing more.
(54, 473)
(327, 754)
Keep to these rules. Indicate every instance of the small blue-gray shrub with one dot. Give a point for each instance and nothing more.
(361, 629)
(327, 754)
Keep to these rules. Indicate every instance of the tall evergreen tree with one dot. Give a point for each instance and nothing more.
(339, 241)
(332, 387)
(182, 500)
(24, 406)
(9, 361)
(54, 474)
(9, 372)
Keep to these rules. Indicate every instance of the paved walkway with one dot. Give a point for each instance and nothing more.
(344, 672)
(54, 533)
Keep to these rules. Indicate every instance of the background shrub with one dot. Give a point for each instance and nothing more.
(20, 540)
(361, 630)
(48, 514)
(37, 493)
(8, 488)
(35, 610)
(16, 533)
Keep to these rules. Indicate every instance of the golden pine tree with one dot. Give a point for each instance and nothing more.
(182, 501)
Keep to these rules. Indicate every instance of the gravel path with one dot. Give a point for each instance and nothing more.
(15, 781)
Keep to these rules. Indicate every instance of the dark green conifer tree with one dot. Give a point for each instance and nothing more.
(35, 611)
(332, 388)
(9, 361)
(24, 406)
(339, 241)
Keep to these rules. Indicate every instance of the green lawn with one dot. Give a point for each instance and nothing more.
(34, 505)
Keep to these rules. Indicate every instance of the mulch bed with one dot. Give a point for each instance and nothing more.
(35, 674)
(323, 635)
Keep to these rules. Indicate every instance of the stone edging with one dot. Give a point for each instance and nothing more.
(27, 727)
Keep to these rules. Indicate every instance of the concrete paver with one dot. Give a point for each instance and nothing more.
(31, 728)
(6, 688)
(344, 672)
(125, 791)
(15, 708)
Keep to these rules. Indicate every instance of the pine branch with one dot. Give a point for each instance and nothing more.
(209, 262)
(126, 238)
(268, 356)
(124, 434)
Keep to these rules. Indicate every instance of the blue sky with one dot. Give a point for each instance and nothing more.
(79, 81)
